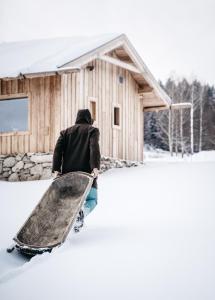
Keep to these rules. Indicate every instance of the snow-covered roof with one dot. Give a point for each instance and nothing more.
(44, 55)
(56, 54)
(181, 105)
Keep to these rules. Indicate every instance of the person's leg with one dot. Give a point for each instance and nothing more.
(89, 205)
(79, 223)
(91, 201)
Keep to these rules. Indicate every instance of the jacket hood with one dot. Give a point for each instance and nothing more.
(84, 117)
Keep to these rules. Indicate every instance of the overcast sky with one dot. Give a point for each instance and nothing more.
(172, 36)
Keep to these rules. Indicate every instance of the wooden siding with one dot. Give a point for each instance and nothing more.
(55, 100)
(44, 100)
(102, 83)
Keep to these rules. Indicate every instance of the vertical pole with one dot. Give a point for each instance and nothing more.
(176, 131)
(170, 130)
(200, 120)
(191, 130)
(142, 131)
(181, 132)
(191, 121)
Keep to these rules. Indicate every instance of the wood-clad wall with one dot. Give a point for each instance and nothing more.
(13, 142)
(44, 101)
(102, 83)
(55, 100)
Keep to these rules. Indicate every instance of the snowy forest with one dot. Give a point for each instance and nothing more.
(202, 97)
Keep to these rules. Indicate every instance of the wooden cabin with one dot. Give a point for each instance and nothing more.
(43, 83)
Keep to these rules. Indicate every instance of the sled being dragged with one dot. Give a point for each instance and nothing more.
(55, 214)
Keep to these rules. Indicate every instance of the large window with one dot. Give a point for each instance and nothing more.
(14, 114)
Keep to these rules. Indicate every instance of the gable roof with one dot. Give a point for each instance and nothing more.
(58, 54)
(37, 56)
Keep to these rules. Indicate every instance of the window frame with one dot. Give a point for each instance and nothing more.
(94, 100)
(14, 97)
(116, 105)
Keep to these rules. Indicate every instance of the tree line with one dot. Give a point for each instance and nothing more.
(202, 97)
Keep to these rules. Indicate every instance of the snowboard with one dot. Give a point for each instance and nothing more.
(55, 214)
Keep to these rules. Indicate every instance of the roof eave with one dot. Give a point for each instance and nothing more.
(53, 72)
(122, 40)
(148, 75)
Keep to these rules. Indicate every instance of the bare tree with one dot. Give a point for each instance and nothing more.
(186, 130)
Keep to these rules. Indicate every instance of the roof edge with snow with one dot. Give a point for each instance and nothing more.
(51, 56)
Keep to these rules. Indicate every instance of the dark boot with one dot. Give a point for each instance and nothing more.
(79, 223)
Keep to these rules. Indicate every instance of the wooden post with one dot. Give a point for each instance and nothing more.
(200, 119)
(176, 132)
(170, 130)
(191, 130)
(191, 121)
(181, 132)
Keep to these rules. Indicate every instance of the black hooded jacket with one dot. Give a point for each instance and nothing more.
(77, 148)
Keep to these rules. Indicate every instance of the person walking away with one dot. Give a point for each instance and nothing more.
(77, 149)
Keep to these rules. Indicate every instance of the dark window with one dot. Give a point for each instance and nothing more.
(14, 115)
(93, 109)
(116, 116)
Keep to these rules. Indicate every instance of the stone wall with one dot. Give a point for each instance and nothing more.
(35, 166)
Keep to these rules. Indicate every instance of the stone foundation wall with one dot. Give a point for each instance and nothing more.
(35, 166)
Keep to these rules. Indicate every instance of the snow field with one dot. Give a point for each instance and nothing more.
(150, 237)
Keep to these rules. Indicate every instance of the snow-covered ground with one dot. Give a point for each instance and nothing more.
(160, 155)
(152, 236)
